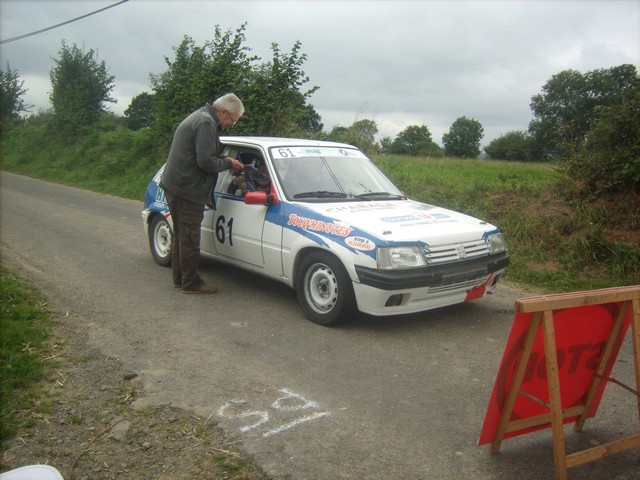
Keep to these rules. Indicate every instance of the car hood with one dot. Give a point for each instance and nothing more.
(403, 221)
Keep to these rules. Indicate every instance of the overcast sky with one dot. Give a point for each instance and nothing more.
(397, 62)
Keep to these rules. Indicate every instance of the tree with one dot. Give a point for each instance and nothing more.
(11, 102)
(140, 113)
(569, 105)
(610, 159)
(415, 140)
(385, 144)
(271, 92)
(515, 145)
(361, 134)
(309, 121)
(80, 88)
(273, 98)
(198, 75)
(463, 139)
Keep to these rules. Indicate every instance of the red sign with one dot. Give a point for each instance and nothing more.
(580, 334)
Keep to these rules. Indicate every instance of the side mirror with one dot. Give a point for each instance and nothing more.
(262, 198)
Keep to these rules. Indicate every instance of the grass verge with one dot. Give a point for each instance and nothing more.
(24, 331)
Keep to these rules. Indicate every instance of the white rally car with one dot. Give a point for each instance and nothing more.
(322, 218)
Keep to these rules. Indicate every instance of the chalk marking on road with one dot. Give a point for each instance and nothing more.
(288, 402)
(278, 404)
(263, 416)
(294, 423)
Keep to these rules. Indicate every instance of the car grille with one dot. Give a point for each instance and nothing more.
(452, 274)
(463, 286)
(454, 253)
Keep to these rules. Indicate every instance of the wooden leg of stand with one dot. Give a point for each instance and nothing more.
(602, 363)
(635, 331)
(559, 449)
(518, 375)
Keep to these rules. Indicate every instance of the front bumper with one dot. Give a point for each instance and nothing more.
(397, 292)
(433, 276)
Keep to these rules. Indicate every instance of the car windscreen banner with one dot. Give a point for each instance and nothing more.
(302, 152)
(580, 335)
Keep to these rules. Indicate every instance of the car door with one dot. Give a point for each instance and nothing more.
(249, 235)
(236, 227)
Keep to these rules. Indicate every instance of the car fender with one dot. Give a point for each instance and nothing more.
(155, 202)
(306, 230)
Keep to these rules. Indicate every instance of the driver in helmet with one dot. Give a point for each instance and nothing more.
(255, 176)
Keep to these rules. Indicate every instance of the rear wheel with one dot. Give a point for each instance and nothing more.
(324, 289)
(160, 236)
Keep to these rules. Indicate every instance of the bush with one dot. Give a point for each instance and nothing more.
(610, 160)
(110, 159)
(514, 145)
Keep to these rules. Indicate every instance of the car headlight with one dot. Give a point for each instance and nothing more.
(406, 256)
(496, 243)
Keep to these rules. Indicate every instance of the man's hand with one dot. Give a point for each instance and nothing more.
(241, 183)
(236, 165)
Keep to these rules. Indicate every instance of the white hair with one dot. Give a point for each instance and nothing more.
(229, 102)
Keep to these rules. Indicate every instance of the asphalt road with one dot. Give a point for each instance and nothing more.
(378, 398)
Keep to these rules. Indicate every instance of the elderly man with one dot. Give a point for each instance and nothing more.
(188, 180)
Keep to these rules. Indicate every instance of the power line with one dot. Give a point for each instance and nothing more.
(20, 37)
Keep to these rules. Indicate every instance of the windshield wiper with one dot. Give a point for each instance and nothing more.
(387, 195)
(320, 194)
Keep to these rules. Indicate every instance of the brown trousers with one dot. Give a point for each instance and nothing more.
(185, 248)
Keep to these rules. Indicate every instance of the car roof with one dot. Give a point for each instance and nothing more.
(269, 142)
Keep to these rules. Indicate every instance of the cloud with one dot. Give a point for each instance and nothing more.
(399, 63)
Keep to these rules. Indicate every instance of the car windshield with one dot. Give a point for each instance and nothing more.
(330, 174)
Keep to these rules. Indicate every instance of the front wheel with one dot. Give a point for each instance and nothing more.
(160, 236)
(324, 289)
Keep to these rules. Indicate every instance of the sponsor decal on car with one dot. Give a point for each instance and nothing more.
(419, 219)
(161, 197)
(329, 232)
(306, 223)
(362, 207)
(360, 243)
(402, 218)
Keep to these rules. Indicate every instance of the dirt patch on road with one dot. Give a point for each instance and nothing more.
(83, 424)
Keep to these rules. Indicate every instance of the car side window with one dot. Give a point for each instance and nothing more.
(227, 181)
(225, 178)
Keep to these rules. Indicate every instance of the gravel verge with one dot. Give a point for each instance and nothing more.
(83, 424)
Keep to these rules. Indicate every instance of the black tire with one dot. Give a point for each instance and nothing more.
(324, 289)
(160, 237)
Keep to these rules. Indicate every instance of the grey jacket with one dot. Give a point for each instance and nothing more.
(194, 159)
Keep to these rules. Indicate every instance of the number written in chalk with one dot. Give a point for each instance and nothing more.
(289, 410)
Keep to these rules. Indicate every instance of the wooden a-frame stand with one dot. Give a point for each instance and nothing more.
(542, 309)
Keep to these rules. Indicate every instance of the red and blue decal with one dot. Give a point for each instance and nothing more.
(320, 228)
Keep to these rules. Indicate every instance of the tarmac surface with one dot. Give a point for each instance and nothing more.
(377, 398)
